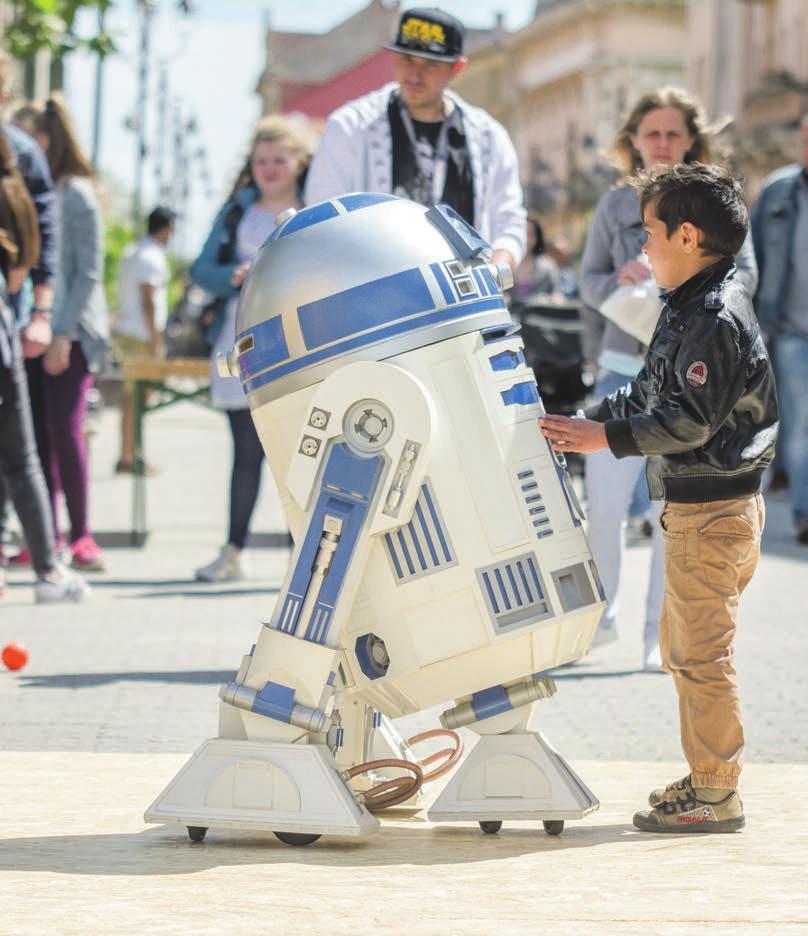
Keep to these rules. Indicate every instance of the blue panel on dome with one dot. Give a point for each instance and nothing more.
(380, 334)
(364, 200)
(493, 289)
(362, 307)
(440, 276)
(269, 347)
(306, 217)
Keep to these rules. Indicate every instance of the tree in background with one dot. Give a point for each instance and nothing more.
(38, 25)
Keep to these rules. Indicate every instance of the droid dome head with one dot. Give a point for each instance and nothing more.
(360, 277)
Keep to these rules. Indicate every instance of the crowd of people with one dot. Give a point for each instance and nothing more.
(644, 273)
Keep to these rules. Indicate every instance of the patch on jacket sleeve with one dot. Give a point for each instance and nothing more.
(696, 374)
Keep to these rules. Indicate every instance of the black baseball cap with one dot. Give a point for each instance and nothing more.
(429, 33)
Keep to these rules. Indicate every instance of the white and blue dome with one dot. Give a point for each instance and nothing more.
(361, 277)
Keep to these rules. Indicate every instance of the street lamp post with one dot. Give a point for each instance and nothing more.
(147, 9)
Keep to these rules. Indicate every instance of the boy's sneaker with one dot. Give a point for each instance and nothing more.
(690, 813)
(86, 555)
(60, 585)
(681, 787)
(226, 567)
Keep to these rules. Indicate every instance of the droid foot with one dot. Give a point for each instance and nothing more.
(516, 775)
(292, 790)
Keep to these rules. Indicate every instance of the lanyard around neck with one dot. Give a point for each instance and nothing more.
(441, 158)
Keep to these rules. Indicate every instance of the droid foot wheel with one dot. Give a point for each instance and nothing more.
(296, 838)
(491, 827)
(553, 826)
(196, 833)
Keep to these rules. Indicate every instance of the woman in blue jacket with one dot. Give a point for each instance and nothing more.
(269, 183)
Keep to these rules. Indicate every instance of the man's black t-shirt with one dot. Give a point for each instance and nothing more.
(412, 175)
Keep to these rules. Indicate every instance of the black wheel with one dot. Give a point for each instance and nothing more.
(196, 833)
(491, 826)
(296, 838)
(553, 826)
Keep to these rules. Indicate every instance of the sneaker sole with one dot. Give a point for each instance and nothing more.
(218, 579)
(93, 565)
(723, 825)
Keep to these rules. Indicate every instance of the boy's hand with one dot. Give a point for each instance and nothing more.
(573, 435)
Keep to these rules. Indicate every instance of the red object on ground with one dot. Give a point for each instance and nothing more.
(15, 656)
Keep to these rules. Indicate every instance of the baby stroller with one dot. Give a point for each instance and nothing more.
(552, 334)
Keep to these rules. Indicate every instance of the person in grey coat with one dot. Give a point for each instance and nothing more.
(665, 127)
(80, 325)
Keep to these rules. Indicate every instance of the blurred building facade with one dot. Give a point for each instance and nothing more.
(314, 73)
(299, 64)
(561, 86)
(749, 59)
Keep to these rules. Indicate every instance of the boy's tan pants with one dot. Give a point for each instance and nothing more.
(711, 551)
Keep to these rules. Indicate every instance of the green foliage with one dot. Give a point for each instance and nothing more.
(118, 235)
(48, 24)
(179, 279)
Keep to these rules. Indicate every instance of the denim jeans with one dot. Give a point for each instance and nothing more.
(245, 480)
(610, 484)
(791, 366)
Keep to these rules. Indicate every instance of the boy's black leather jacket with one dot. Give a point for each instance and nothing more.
(703, 409)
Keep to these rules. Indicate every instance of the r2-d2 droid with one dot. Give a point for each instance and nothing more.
(439, 552)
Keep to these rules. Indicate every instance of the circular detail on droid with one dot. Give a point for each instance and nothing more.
(368, 426)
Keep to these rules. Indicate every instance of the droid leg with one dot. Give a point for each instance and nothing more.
(511, 773)
(272, 767)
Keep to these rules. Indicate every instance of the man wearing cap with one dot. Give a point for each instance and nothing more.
(416, 139)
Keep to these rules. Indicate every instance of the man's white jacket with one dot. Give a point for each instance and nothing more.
(356, 155)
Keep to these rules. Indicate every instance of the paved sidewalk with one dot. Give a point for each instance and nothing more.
(76, 858)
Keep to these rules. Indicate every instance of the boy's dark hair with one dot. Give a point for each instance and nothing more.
(708, 197)
(160, 219)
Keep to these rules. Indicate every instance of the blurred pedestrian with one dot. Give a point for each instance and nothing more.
(80, 342)
(24, 116)
(664, 127)
(269, 183)
(19, 465)
(31, 301)
(418, 140)
(780, 232)
(560, 252)
(143, 279)
(537, 274)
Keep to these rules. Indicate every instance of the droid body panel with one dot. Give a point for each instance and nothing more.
(439, 550)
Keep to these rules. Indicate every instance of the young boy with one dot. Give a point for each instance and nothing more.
(703, 409)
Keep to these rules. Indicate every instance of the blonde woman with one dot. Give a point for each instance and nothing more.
(665, 127)
(269, 183)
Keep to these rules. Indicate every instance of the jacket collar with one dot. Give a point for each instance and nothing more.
(244, 197)
(700, 283)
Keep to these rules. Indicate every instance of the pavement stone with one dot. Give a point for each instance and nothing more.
(137, 668)
(76, 858)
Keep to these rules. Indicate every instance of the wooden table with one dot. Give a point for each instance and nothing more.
(154, 387)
